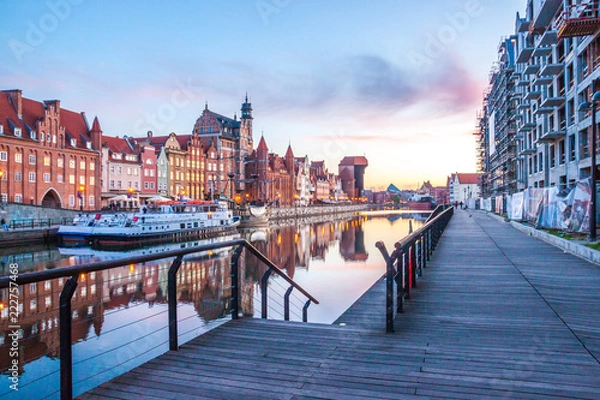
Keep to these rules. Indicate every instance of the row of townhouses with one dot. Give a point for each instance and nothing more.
(535, 128)
(53, 157)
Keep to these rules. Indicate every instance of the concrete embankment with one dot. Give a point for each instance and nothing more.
(301, 212)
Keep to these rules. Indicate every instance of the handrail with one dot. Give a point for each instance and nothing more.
(74, 272)
(408, 260)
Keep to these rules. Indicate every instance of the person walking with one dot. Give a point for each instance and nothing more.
(4, 224)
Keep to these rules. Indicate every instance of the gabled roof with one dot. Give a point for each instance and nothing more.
(117, 145)
(468, 178)
(33, 111)
(354, 160)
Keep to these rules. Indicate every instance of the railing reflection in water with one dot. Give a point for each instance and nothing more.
(103, 290)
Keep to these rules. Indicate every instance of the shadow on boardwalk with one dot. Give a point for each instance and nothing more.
(497, 314)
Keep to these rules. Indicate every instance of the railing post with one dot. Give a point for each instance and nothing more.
(405, 274)
(172, 300)
(263, 290)
(413, 261)
(235, 282)
(390, 273)
(286, 304)
(305, 310)
(66, 352)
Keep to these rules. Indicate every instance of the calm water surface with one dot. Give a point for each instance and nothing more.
(120, 315)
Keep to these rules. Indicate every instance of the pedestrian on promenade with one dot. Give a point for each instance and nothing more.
(4, 224)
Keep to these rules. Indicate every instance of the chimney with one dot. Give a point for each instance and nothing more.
(16, 98)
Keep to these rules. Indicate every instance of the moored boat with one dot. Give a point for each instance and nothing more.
(421, 202)
(162, 222)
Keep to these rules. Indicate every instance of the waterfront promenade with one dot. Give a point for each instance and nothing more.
(498, 314)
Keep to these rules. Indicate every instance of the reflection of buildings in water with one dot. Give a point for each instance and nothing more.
(207, 285)
(38, 317)
(352, 242)
(30, 260)
(203, 281)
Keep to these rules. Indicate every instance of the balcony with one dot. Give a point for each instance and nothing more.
(552, 102)
(532, 95)
(527, 126)
(551, 136)
(523, 106)
(526, 152)
(522, 24)
(542, 80)
(543, 110)
(552, 69)
(579, 20)
(525, 54)
(547, 10)
(523, 82)
(531, 69)
(549, 38)
(541, 51)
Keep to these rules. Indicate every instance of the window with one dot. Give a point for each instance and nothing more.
(72, 163)
(19, 158)
(60, 163)
(91, 201)
(46, 177)
(72, 179)
(59, 178)
(33, 304)
(18, 198)
(128, 170)
(112, 184)
(561, 152)
(152, 185)
(42, 136)
(552, 151)
(18, 132)
(47, 285)
(583, 144)
(3, 155)
(1, 128)
(92, 166)
(119, 170)
(151, 172)
(32, 287)
(146, 186)
(32, 159)
(32, 177)
(47, 161)
(33, 134)
(71, 200)
(572, 147)
(82, 165)
(18, 176)
(48, 301)
(92, 180)
(82, 180)
(73, 142)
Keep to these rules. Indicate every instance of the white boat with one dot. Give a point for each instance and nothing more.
(87, 254)
(163, 222)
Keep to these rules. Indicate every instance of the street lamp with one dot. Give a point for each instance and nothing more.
(231, 175)
(585, 106)
(80, 195)
(1, 178)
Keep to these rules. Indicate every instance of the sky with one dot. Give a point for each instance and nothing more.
(397, 81)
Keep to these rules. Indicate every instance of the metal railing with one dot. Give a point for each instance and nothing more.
(408, 260)
(74, 272)
(31, 223)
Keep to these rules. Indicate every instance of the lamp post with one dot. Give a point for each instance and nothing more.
(80, 195)
(585, 106)
(231, 175)
(1, 179)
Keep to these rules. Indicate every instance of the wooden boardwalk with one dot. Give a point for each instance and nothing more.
(497, 315)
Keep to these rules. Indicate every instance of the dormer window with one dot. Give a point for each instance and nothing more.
(18, 132)
(1, 129)
(73, 142)
(33, 134)
(116, 156)
(42, 136)
(88, 145)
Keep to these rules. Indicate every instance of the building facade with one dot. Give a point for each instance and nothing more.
(49, 155)
(531, 130)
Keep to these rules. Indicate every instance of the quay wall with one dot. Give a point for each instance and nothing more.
(309, 211)
(19, 212)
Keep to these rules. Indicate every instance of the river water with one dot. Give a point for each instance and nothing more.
(120, 315)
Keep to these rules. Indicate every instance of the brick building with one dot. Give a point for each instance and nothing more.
(48, 155)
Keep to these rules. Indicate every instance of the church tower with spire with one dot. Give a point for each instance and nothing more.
(246, 141)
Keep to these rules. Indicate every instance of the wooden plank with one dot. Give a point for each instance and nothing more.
(497, 314)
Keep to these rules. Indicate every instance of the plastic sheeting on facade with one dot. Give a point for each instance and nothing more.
(567, 210)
